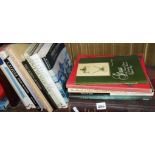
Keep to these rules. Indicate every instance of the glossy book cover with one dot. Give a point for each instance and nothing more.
(117, 69)
(140, 87)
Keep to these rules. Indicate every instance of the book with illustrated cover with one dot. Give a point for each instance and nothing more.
(73, 87)
(113, 70)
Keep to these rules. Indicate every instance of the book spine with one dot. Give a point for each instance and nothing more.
(81, 90)
(17, 87)
(46, 62)
(38, 82)
(40, 69)
(23, 83)
(109, 97)
(59, 85)
(20, 81)
(51, 60)
(111, 92)
(17, 59)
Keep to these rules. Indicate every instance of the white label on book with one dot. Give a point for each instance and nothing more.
(101, 106)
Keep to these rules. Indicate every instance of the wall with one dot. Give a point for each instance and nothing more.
(147, 49)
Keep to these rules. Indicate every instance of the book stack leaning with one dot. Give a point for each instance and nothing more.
(38, 73)
(104, 82)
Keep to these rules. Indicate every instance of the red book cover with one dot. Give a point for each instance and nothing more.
(71, 83)
(2, 93)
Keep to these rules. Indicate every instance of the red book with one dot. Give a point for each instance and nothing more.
(144, 88)
(2, 93)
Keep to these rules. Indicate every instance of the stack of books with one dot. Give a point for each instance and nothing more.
(103, 80)
(4, 102)
(38, 74)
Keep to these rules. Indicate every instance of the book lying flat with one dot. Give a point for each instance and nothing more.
(79, 105)
(116, 69)
(138, 87)
(110, 97)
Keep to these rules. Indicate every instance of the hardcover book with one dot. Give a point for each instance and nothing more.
(110, 97)
(116, 69)
(80, 105)
(73, 87)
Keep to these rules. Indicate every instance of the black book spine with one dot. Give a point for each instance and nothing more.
(39, 83)
(52, 55)
(12, 69)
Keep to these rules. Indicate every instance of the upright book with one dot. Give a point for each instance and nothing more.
(14, 60)
(52, 65)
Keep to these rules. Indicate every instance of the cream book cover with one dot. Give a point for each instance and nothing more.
(93, 69)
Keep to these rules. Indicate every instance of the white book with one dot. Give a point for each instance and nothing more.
(44, 76)
(111, 92)
(17, 87)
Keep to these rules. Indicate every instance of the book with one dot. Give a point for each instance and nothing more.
(10, 93)
(80, 105)
(16, 52)
(110, 97)
(2, 92)
(34, 58)
(17, 87)
(116, 69)
(92, 88)
(57, 61)
(21, 80)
